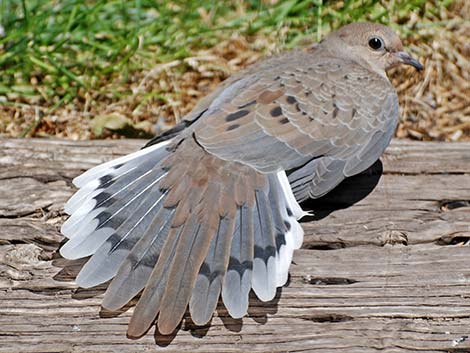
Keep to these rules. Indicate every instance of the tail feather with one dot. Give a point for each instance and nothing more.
(294, 207)
(97, 186)
(114, 198)
(264, 263)
(98, 225)
(111, 179)
(205, 294)
(103, 169)
(282, 227)
(149, 303)
(97, 214)
(136, 269)
(196, 238)
(105, 262)
(185, 227)
(238, 279)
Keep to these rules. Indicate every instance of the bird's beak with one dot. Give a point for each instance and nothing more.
(407, 59)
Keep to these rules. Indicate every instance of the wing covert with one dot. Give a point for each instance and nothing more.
(332, 117)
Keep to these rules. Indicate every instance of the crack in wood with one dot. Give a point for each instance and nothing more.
(322, 281)
(449, 205)
(457, 240)
(330, 318)
(20, 215)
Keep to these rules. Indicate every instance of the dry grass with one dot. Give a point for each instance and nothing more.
(435, 104)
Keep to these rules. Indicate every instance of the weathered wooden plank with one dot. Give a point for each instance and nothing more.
(383, 267)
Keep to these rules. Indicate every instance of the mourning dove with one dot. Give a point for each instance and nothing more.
(211, 208)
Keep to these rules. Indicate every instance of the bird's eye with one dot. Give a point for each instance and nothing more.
(376, 43)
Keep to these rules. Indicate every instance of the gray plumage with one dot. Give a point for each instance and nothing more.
(238, 279)
(211, 208)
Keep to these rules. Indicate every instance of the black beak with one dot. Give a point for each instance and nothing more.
(407, 59)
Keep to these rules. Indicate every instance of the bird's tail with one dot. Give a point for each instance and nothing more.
(185, 227)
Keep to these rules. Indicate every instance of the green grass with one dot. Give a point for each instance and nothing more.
(58, 51)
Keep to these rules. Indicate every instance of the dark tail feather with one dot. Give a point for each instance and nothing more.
(205, 294)
(238, 279)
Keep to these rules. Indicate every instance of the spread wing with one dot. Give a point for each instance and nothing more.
(210, 212)
(320, 120)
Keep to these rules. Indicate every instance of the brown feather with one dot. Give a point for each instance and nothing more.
(148, 305)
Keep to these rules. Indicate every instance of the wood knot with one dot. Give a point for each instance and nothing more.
(394, 237)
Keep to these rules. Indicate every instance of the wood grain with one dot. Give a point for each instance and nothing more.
(383, 268)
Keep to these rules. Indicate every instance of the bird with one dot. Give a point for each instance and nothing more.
(211, 208)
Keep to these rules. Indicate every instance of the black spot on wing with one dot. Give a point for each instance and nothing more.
(291, 100)
(275, 112)
(233, 127)
(237, 115)
(335, 111)
(247, 104)
(354, 111)
(284, 121)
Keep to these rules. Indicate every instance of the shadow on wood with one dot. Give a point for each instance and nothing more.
(346, 194)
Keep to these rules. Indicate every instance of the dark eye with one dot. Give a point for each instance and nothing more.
(376, 43)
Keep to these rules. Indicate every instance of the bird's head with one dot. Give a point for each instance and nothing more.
(377, 45)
